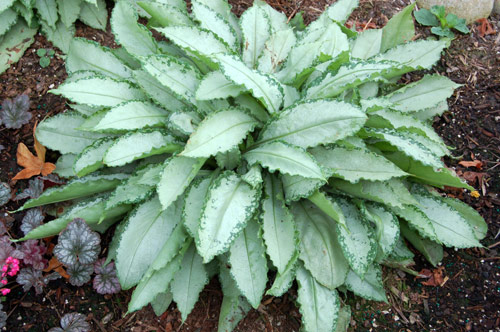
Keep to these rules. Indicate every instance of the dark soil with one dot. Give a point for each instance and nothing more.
(469, 300)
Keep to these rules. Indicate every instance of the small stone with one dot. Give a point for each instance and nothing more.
(471, 10)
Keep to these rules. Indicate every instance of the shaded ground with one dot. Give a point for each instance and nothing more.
(468, 301)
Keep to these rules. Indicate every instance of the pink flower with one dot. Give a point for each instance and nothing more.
(5, 291)
(4, 282)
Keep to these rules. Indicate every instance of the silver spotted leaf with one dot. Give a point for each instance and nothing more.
(15, 113)
(78, 244)
(31, 220)
(4, 193)
(106, 281)
(34, 190)
(29, 277)
(72, 322)
(79, 274)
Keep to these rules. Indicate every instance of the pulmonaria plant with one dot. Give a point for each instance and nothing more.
(242, 145)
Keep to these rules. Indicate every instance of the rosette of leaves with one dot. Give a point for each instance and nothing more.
(20, 20)
(72, 322)
(242, 146)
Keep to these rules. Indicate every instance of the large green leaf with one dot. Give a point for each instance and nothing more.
(367, 44)
(392, 192)
(470, 215)
(276, 50)
(319, 248)
(180, 78)
(158, 92)
(88, 55)
(332, 84)
(256, 30)
(60, 133)
(8, 18)
(426, 174)
(178, 173)
(407, 144)
(69, 10)
(138, 145)
(262, 86)
(47, 9)
(131, 115)
(90, 210)
(196, 40)
(189, 281)
(425, 93)
(386, 228)
(285, 158)
(431, 250)
(134, 37)
(417, 220)
(311, 123)
(219, 132)
(99, 91)
(318, 305)
(354, 164)
(138, 187)
(248, 261)
(234, 306)
(399, 29)
(14, 43)
(76, 188)
(60, 36)
(283, 281)
(165, 14)
(6, 4)
(278, 227)
(211, 20)
(370, 286)
(94, 15)
(297, 187)
(146, 231)
(421, 54)
(357, 240)
(229, 205)
(450, 226)
(341, 10)
(215, 85)
(158, 283)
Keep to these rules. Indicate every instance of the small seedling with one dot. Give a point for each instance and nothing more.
(45, 56)
(441, 22)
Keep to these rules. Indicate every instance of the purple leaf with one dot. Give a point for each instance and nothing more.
(7, 249)
(106, 281)
(79, 274)
(72, 322)
(4, 193)
(31, 220)
(77, 244)
(34, 190)
(15, 113)
(29, 277)
(33, 254)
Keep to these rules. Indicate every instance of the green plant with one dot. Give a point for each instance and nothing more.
(45, 56)
(242, 146)
(20, 20)
(441, 22)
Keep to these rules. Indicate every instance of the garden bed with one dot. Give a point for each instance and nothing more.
(468, 298)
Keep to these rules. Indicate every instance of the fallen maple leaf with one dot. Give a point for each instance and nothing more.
(475, 163)
(435, 277)
(485, 27)
(32, 165)
(55, 265)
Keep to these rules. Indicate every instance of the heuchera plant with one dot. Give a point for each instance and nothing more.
(242, 145)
